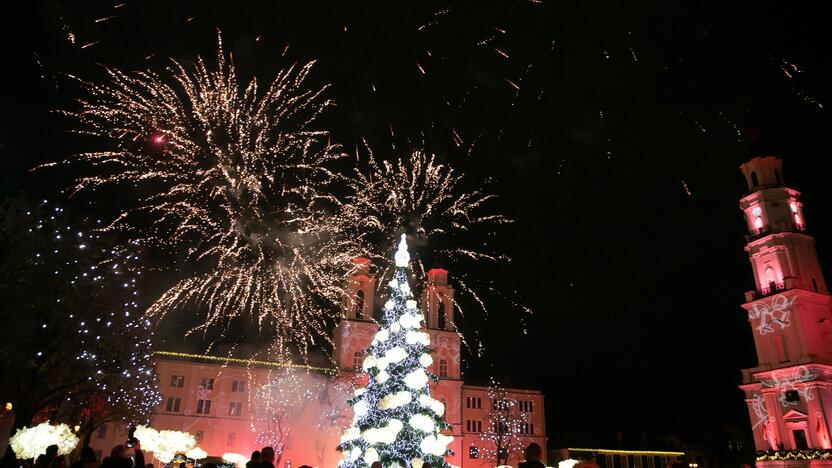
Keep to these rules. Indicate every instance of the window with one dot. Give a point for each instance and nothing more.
(770, 275)
(173, 404)
(527, 428)
(206, 383)
(359, 304)
(499, 427)
(443, 368)
(777, 177)
(441, 316)
(238, 386)
(357, 360)
(792, 396)
(815, 284)
(781, 347)
(235, 408)
(177, 381)
(473, 452)
(231, 439)
(754, 181)
(758, 223)
(102, 431)
(203, 407)
(473, 425)
(501, 404)
(199, 435)
(473, 402)
(527, 406)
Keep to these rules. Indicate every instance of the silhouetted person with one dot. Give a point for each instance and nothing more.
(87, 460)
(50, 459)
(209, 465)
(117, 459)
(255, 459)
(138, 455)
(266, 458)
(533, 454)
(426, 465)
(376, 464)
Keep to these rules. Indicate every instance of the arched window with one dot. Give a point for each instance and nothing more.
(781, 347)
(754, 181)
(758, 223)
(359, 304)
(357, 360)
(770, 275)
(440, 316)
(797, 220)
(443, 368)
(777, 177)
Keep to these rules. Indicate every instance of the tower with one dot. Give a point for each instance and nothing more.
(789, 392)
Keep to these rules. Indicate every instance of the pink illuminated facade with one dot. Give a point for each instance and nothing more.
(789, 392)
(235, 407)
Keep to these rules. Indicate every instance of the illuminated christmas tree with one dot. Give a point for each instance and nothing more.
(396, 421)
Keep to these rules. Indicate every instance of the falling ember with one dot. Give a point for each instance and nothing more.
(420, 68)
(501, 52)
(159, 139)
(92, 43)
(513, 84)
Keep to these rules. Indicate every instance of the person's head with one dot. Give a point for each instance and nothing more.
(426, 465)
(376, 464)
(533, 452)
(182, 465)
(267, 454)
(255, 455)
(135, 443)
(117, 452)
(88, 454)
(52, 451)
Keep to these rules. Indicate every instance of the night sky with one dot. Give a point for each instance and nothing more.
(611, 132)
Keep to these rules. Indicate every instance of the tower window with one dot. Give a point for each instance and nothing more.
(770, 275)
(758, 223)
(792, 396)
(443, 368)
(473, 452)
(359, 304)
(815, 284)
(440, 322)
(754, 181)
(777, 177)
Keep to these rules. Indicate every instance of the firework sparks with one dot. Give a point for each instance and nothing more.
(235, 183)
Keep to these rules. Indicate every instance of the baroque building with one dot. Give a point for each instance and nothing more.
(789, 392)
(238, 405)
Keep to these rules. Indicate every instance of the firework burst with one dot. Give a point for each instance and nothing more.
(234, 182)
(425, 197)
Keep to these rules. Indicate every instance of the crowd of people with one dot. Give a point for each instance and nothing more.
(132, 456)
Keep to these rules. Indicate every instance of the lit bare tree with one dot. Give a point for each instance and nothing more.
(506, 426)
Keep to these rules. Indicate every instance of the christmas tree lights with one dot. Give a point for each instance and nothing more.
(396, 421)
